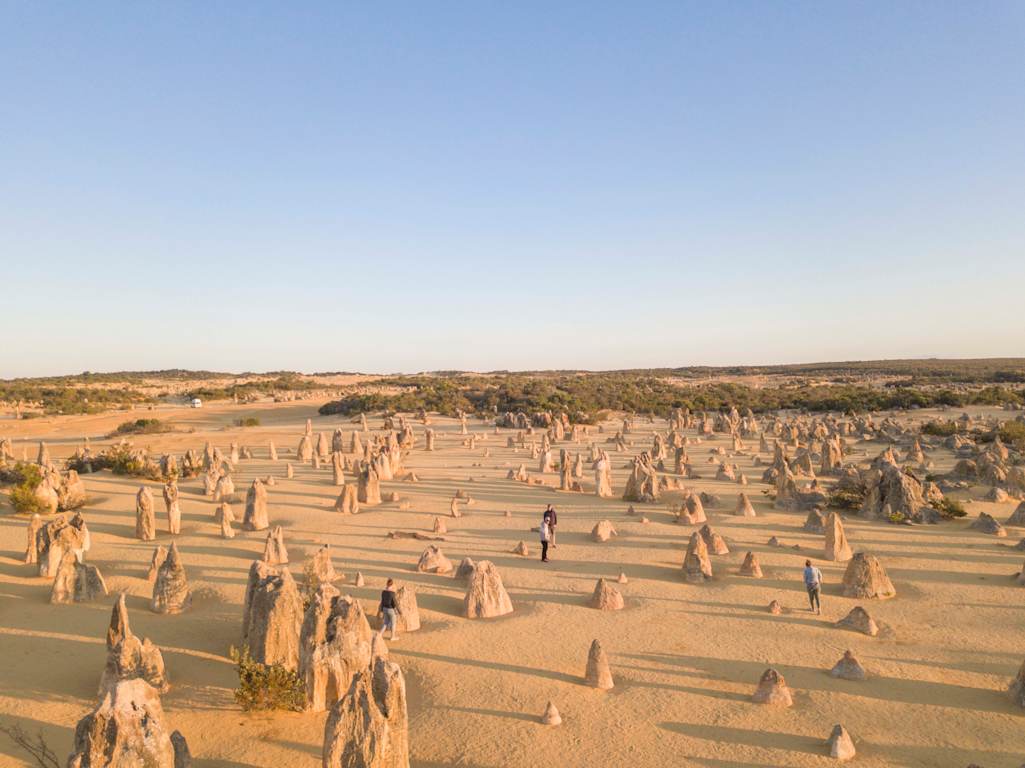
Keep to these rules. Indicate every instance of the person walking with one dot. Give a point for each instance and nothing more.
(388, 610)
(546, 534)
(553, 520)
(813, 583)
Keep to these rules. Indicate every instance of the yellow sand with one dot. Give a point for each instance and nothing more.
(685, 658)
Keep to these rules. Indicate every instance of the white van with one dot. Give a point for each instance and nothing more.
(197, 403)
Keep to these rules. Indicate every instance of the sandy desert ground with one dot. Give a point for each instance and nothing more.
(686, 658)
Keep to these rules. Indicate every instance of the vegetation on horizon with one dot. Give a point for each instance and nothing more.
(584, 396)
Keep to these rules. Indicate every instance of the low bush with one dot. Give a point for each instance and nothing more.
(940, 428)
(120, 459)
(249, 421)
(263, 687)
(847, 498)
(141, 427)
(950, 508)
(27, 478)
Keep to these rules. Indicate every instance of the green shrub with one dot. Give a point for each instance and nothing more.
(120, 459)
(249, 421)
(141, 427)
(262, 687)
(847, 498)
(950, 508)
(940, 428)
(23, 495)
(1013, 433)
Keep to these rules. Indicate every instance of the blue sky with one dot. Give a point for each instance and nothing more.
(403, 187)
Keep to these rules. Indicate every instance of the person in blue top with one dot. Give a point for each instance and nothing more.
(813, 583)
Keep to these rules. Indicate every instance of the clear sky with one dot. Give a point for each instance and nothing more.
(431, 185)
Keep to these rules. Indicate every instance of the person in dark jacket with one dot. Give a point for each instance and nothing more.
(546, 535)
(388, 610)
(553, 520)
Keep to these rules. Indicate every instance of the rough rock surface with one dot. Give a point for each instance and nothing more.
(841, 745)
(848, 668)
(597, 674)
(750, 566)
(606, 597)
(433, 560)
(171, 589)
(76, 582)
(986, 523)
(125, 729)
(272, 616)
(772, 689)
(336, 642)
(551, 715)
(145, 519)
(486, 596)
(837, 549)
(603, 531)
(255, 518)
(744, 508)
(696, 564)
(128, 657)
(859, 620)
(866, 578)
(368, 727)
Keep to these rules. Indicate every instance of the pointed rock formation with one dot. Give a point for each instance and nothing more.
(76, 582)
(598, 674)
(744, 508)
(693, 511)
(319, 569)
(128, 657)
(551, 715)
(272, 616)
(369, 728)
(837, 549)
(34, 526)
(255, 518)
(715, 543)
(696, 564)
(171, 589)
(486, 596)
(369, 489)
(866, 578)
(156, 560)
(274, 550)
(848, 668)
(750, 566)
(335, 643)
(841, 746)
(127, 728)
(521, 549)
(225, 517)
(145, 519)
(173, 507)
(348, 500)
(858, 620)
(606, 597)
(775, 608)
(408, 613)
(816, 523)
(772, 689)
